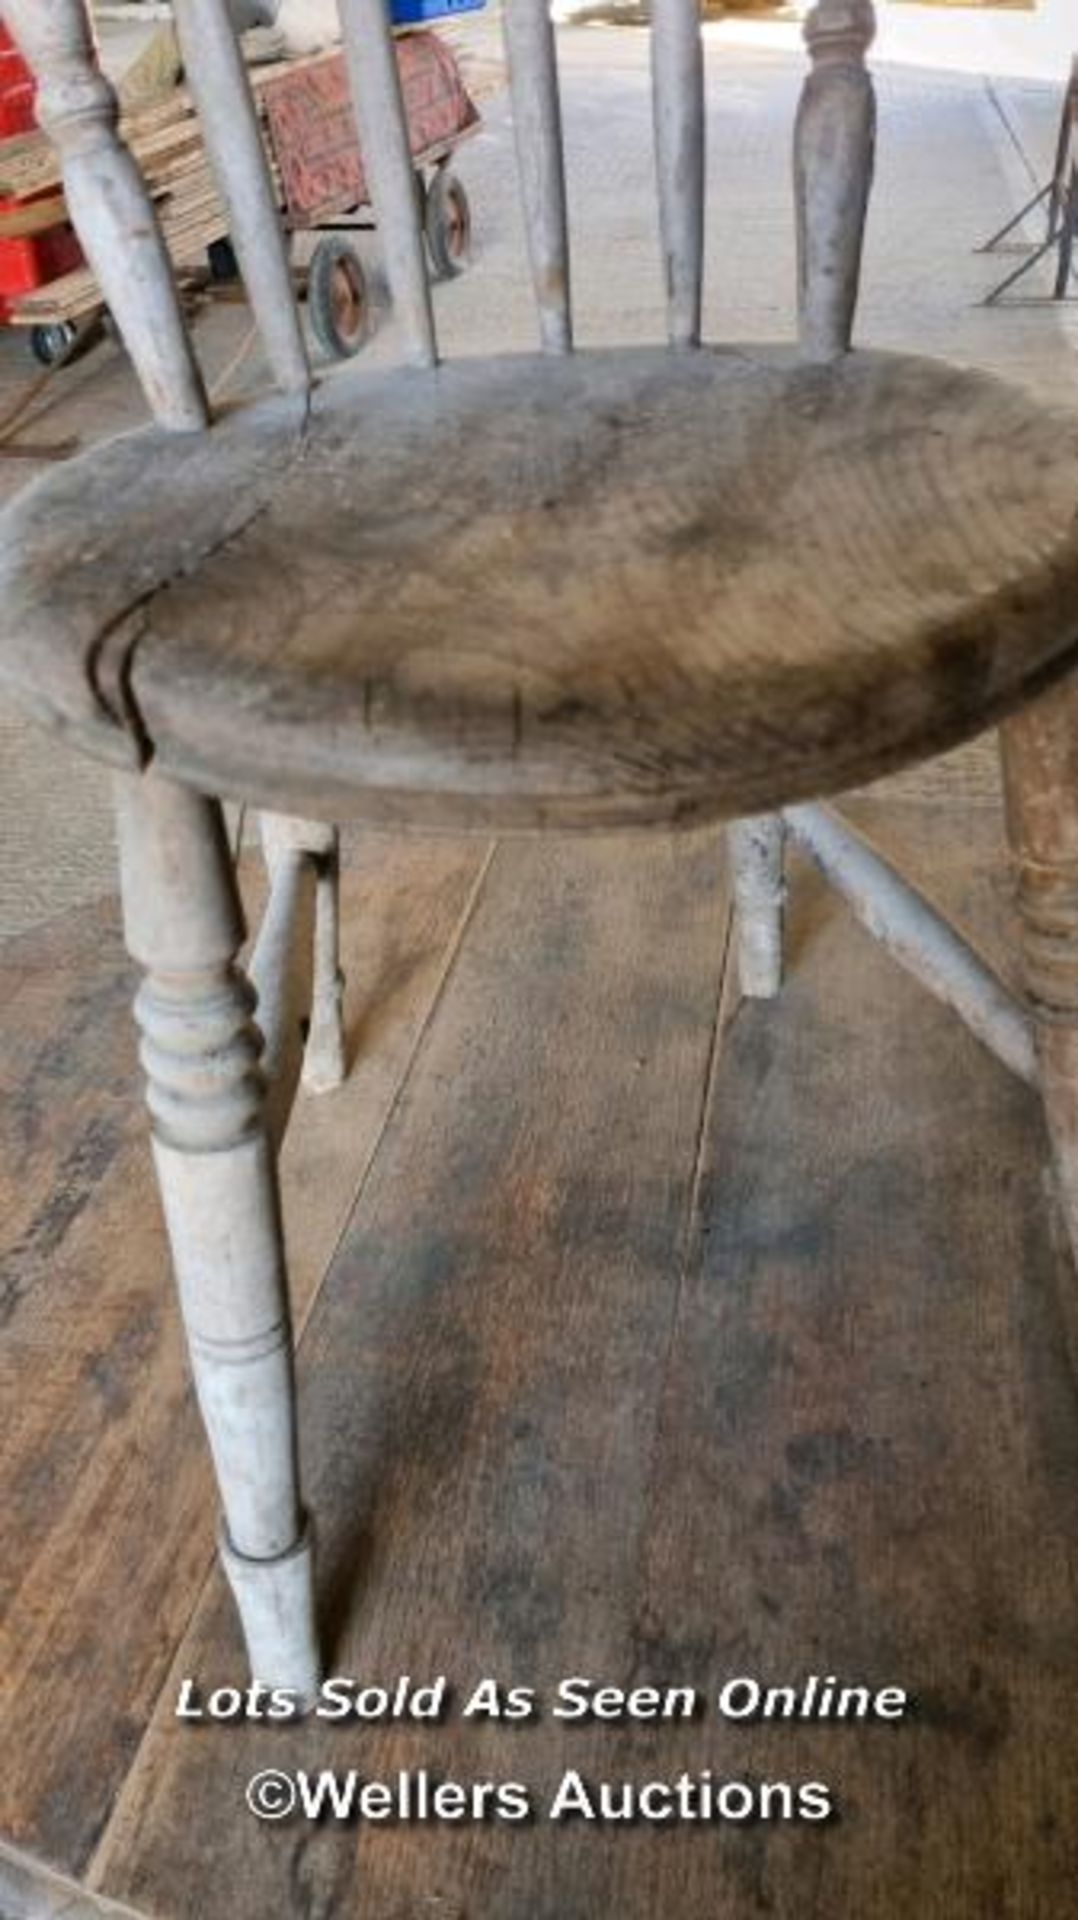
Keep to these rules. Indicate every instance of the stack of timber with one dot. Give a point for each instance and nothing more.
(165, 138)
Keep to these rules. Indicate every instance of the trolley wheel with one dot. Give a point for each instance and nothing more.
(222, 262)
(338, 300)
(447, 221)
(52, 345)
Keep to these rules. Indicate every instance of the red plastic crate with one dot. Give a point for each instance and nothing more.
(16, 89)
(26, 264)
(16, 110)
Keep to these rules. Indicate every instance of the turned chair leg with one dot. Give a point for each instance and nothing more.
(756, 853)
(323, 1059)
(1040, 770)
(309, 854)
(217, 1174)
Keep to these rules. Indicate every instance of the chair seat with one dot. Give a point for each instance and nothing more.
(624, 587)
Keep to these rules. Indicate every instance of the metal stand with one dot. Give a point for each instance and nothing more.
(1061, 194)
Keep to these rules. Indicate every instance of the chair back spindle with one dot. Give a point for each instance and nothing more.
(834, 147)
(109, 205)
(387, 159)
(677, 77)
(533, 81)
(217, 77)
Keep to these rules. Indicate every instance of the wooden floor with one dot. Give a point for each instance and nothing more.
(646, 1336)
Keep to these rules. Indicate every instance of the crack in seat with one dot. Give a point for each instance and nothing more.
(619, 587)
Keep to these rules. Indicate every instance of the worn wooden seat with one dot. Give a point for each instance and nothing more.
(629, 586)
(577, 590)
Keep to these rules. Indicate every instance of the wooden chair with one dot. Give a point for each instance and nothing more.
(631, 587)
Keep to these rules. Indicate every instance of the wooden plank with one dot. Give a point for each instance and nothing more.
(854, 1449)
(35, 217)
(479, 1383)
(64, 298)
(101, 1417)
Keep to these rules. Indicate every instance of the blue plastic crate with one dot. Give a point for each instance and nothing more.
(414, 13)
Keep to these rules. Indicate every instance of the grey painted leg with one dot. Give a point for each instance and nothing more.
(915, 934)
(296, 962)
(323, 1060)
(217, 1175)
(756, 854)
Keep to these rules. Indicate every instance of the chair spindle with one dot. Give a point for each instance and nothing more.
(834, 148)
(219, 85)
(110, 208)
(677, 81)
(387, 160)
(533, 81)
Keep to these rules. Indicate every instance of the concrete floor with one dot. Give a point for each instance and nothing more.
(956, 155)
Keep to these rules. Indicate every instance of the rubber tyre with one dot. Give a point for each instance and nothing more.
(447, 222)
(221, 260)
(338, 298)
(51, 345)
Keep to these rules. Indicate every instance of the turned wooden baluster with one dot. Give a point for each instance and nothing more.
(216, 1170)
(109, 205)
(834, 144)
(1040, 771)
(834, 150)
(215, 72)
(533, 82)
(387, 157)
